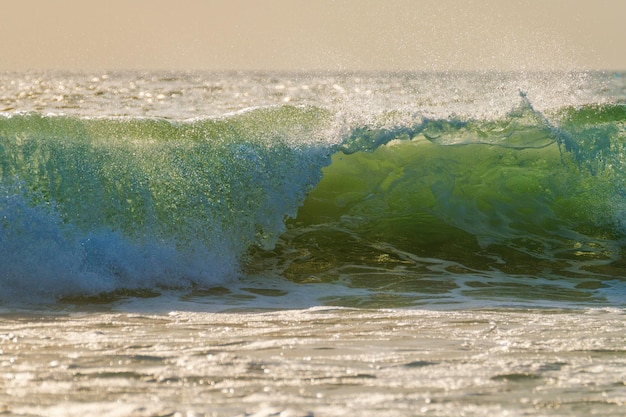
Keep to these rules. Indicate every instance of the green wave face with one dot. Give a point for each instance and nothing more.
(91, 205)
(519, 196)
(157, 179)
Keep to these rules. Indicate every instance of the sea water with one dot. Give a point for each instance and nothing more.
(312, 244)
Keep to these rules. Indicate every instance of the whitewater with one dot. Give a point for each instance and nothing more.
(312, 243)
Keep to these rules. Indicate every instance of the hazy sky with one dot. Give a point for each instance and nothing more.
(313, 34)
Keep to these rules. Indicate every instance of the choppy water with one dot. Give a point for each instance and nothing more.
(313, 244)
(316, 362)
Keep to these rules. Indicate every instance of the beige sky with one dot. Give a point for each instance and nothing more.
(313, 34)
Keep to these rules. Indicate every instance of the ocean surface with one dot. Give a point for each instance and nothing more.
(312, 244)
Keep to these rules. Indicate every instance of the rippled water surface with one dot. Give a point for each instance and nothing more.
(317, 361)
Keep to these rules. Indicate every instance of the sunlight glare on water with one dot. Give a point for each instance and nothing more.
(319, 361)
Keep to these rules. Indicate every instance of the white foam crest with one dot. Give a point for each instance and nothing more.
(44, 258)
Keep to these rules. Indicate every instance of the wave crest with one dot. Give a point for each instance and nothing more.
(93, 205)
